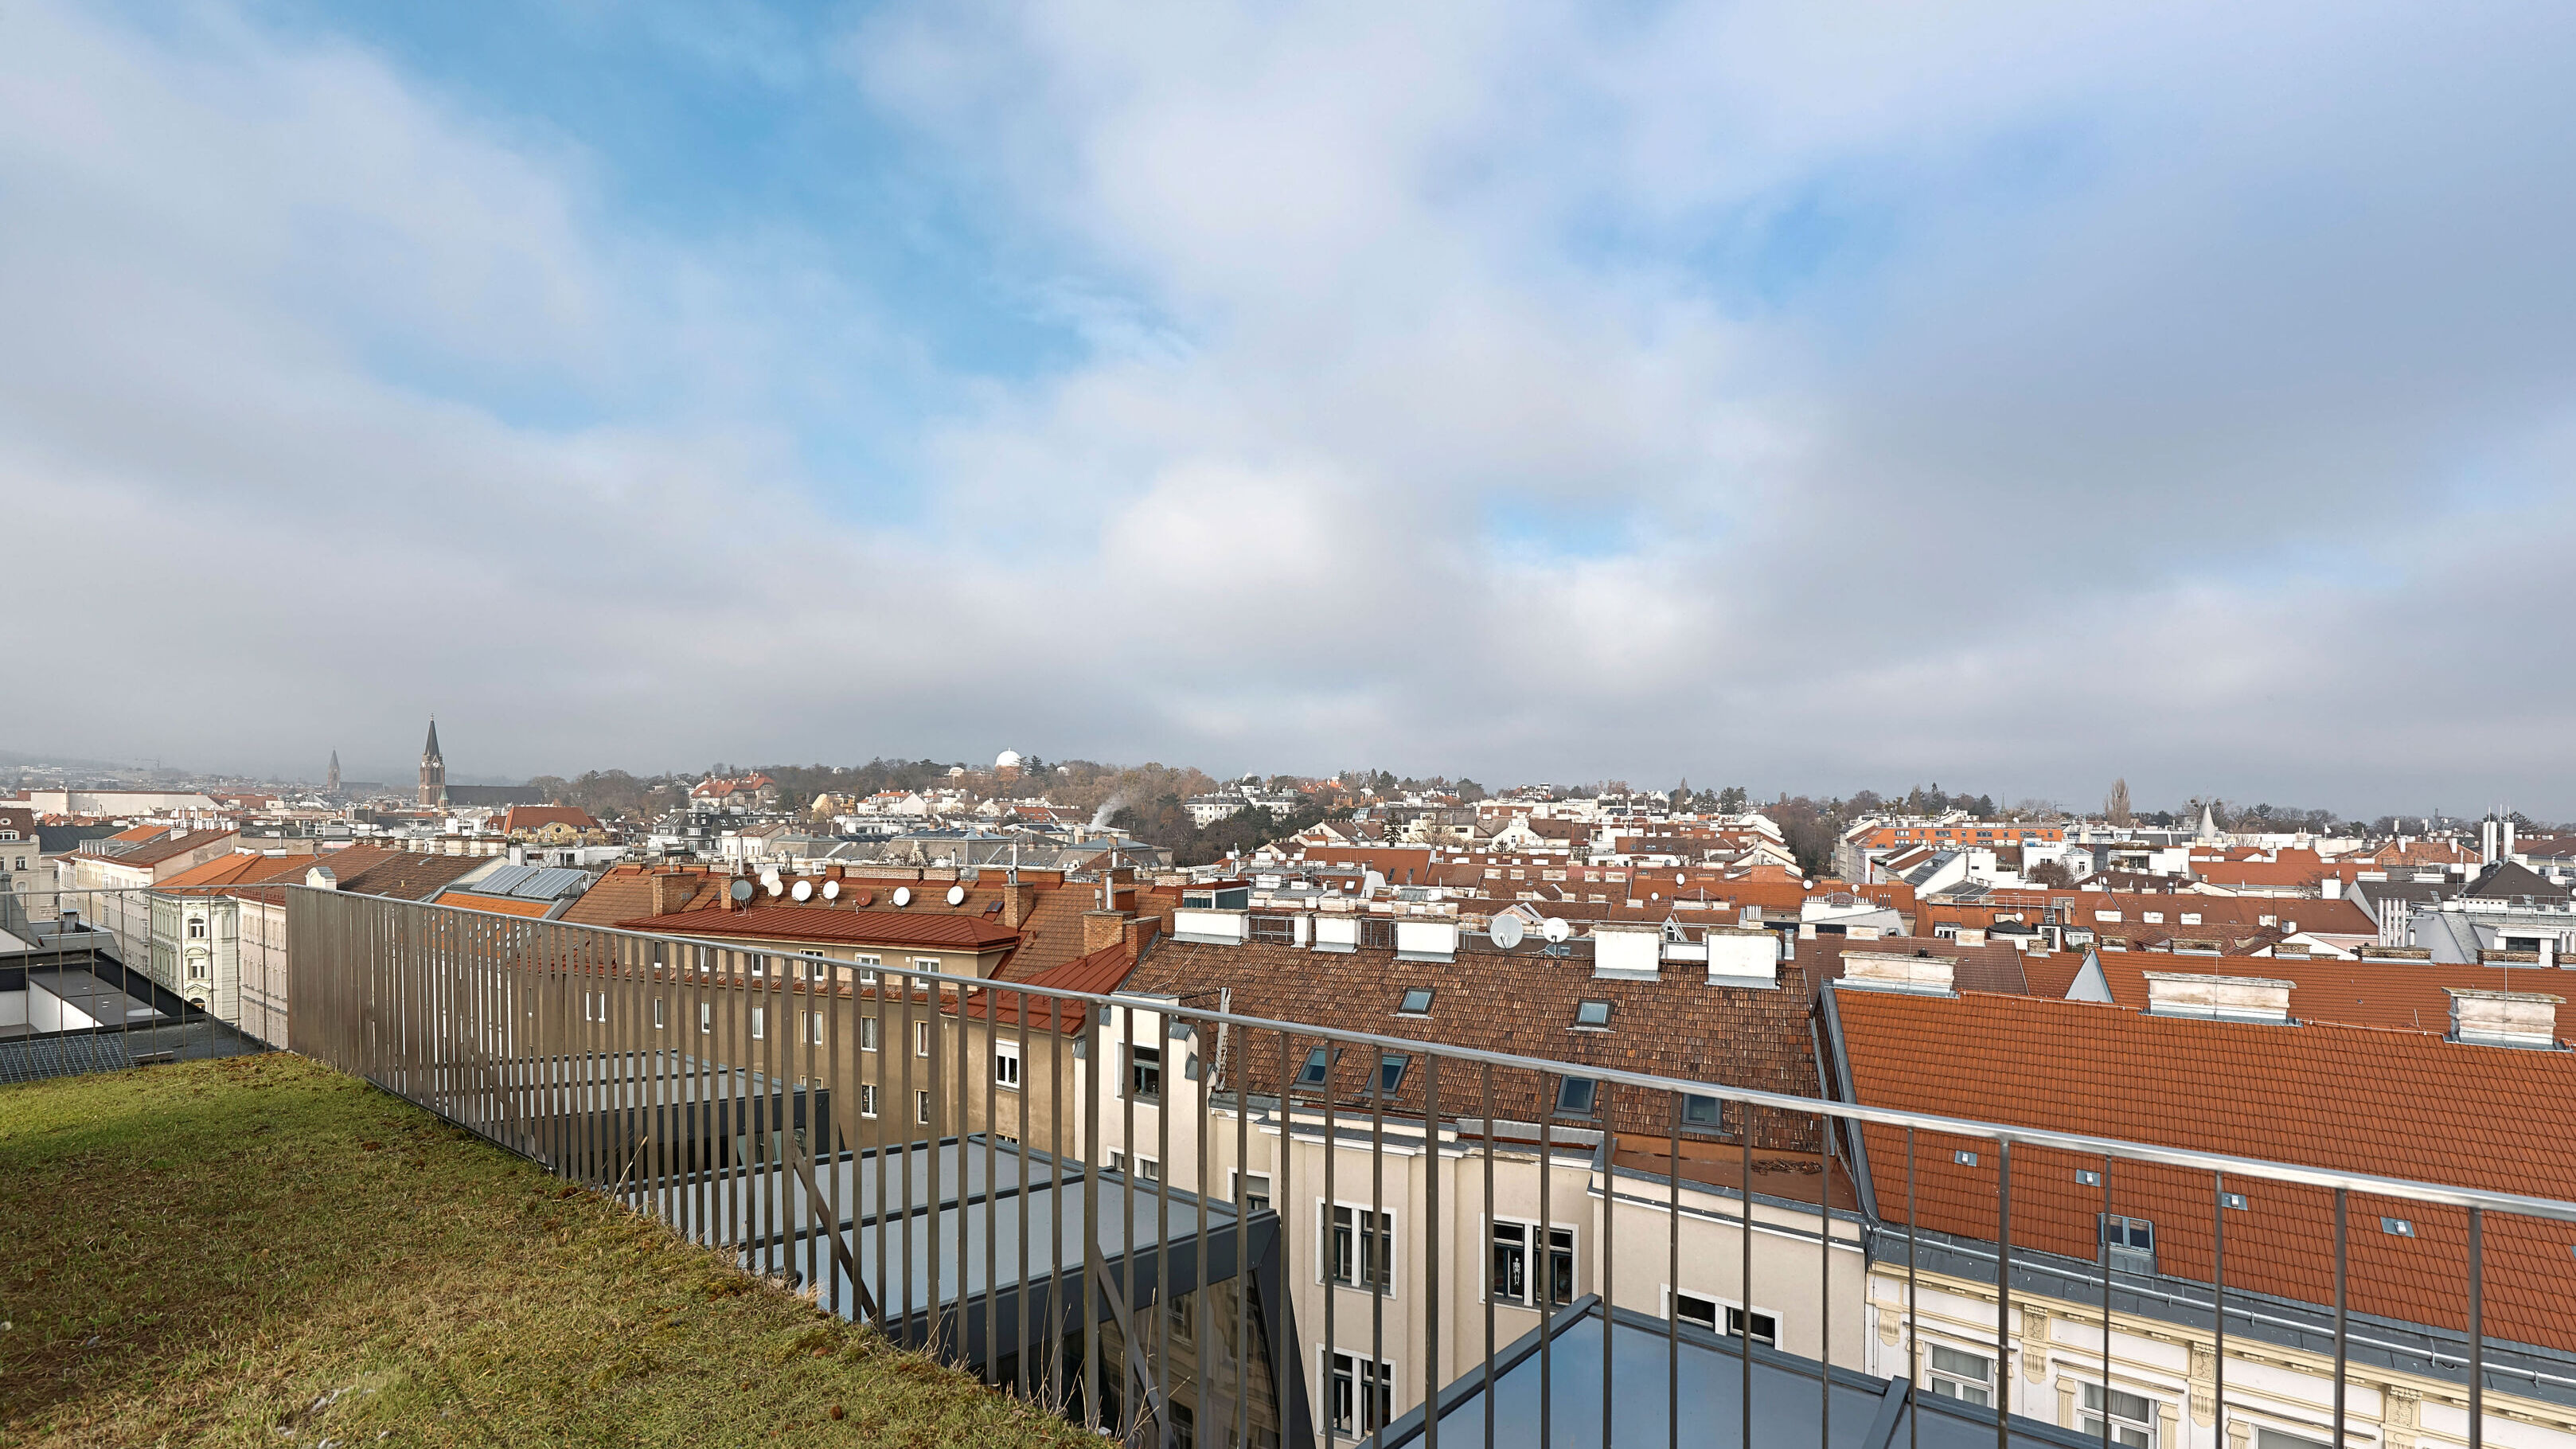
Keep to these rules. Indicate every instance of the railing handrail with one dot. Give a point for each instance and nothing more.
(2407, 1189)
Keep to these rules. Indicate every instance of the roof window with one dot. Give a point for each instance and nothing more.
(2398, 1227)
(1317, 1067)
(1964, 1158)
(1592, 1014)
(1575, 1096)
(2234, 1200)
(1417, 1002)
(1390, 1072)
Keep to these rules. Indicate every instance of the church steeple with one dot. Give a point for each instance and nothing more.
(331, 781)
(433, 770)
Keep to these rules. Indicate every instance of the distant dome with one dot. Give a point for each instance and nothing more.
(1007, 760)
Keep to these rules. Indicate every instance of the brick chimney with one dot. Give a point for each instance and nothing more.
(2505, 1018)
(1138, 933)
(1102, 929)
(1016, 899)
(671, 891)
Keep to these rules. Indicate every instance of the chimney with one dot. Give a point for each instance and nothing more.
(2223, 998)
(2504, 1018)
(2487, 842)
(2508, 838)
(1015, 904)
(2333, 887)
(671, 892)
(1925, 974)
(1102, 929)
(1138, 933)
(322, 878)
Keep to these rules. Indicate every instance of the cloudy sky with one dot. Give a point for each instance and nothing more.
(1808, 396)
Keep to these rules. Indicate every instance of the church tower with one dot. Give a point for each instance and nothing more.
(331, 780)
(433, 770)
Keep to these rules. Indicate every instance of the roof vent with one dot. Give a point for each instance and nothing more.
(2504, 1018)
(1877, 971)
(2223, 998)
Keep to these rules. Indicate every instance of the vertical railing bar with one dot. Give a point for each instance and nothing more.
(1167, 1087)
(2102, 1245)
(1485, 1071)
(1243, 1242)
(1375, 1243)
(2003, 1297)
(1913, 1335)
(831, 1009)
(2340, 1342)
(1673, 1271)
(1020, 1341)
(1825, 1295)
(1095, 1157)
(2477, 1329)
(910, 1122)
(1744, 1277)
(1433, 1372)
(1284, 1216)
(1609, 1212)
(934, 1164)
(1128, 1347)
(2218, 1306)
(888, 1307)
(1329, 1252)
(1203, 1325)
(1543, 1257)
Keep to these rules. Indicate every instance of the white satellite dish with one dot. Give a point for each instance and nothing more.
(956, 895)
(831, 890)
(1505, 931)
(903, 895)
(803, 890)
(741, 890)
(1556, 930)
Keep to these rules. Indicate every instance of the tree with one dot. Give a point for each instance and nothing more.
(2051, 873)
(2116, 808)
(1733, 799)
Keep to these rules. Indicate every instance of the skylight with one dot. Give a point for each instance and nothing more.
(1312, 1074)
(1417, 1002)
(1390, 1071)
(1575, 1096)
(1592, 1013)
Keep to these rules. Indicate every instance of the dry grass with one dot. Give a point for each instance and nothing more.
(262, 1251)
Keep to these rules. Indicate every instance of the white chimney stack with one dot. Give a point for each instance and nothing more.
(1925, 975)
(2504, 1018)
(2223, 998)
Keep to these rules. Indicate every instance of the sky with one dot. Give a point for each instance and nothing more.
(1807, 396)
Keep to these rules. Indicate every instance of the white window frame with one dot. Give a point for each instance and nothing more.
(867, 968)
(1149, 1169)
(1006, 1065)
(1531, 1262)
(759, 1022)
(2089, 1415)
(661, 1021)
(814, 1027)
(1324, 1256)
(1725, 1311)
(1936, 1377)
(930, 964)
(867, 1033)
(706, 1018)
(1342, 1408)
(921, 1038)
(921, 1109)
(868, 1100)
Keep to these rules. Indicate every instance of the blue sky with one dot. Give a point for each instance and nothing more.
(1807, 395)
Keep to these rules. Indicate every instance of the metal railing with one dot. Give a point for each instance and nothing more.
(1173, 1220)
(107, 978)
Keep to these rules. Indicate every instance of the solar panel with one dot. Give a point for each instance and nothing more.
(503, 881)
(548, 883)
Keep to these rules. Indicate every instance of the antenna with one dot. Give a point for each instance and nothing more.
(1505, 931)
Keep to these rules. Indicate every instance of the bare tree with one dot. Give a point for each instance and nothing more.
(2116, 809)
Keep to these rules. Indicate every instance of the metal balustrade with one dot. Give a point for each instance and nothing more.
(1174, 1221)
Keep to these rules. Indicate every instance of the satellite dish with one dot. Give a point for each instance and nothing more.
(742, 890)
(803, 890)
(1505, 931)
(831, 890)
(969, 874)
(956, 895)
(1556, 930)
(776, 887)
(902, 895)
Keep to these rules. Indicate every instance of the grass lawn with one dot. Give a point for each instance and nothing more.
(262, 1251)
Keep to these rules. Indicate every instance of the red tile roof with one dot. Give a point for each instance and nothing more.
(2402, 995)
(2393, 1103)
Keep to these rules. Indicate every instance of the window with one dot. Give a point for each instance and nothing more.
(921, 1108)
(1364, 1263)
(867, 1033)
(1766, 1329)
(1254, 1188)
(758, 1020)
(1691, 1308)
(2130, 1241)
(2132, 1417)
(1510, 1281)
(196, 968)
(868, 969)
(1363, 1394)
(1967, 1377)
(868, 1100)
(1006, 1065)
(921, 1038)
(1149, 1169)
(658, 1023)
(1575, 1096)
(1145, 1073)
(1417, 1002)
(1699, 1111)
(1312, 1074)
(196, 930)
(1117, 1161)
(926, 963)
(814, 1027)
(1390, 1072)
(1592, 1013)
(706, 1017)
(2275, 1439)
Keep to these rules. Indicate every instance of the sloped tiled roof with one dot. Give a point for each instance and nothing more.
(860, 928)
(1521, 1002)
(2392, 1103)
(2402, 995)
